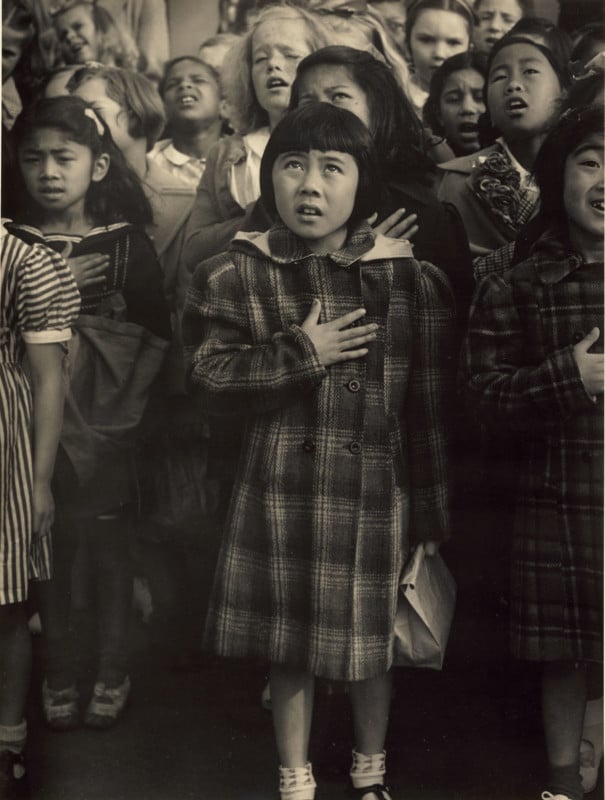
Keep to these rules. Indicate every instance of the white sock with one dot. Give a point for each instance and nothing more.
(297, 783)
(12, 737)
(368, 770)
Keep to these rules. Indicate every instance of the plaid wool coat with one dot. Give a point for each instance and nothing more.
(340, 467)
(520, 372)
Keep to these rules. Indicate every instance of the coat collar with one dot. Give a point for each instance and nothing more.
(466, 164)
(551, 271)
(284, 247)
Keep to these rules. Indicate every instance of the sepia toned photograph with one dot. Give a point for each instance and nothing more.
(301, 400)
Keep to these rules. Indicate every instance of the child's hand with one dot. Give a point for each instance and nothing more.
(88, 270)
(335, 341)
(397, 226)
(431, 548)
(590, 364)
(44, 509)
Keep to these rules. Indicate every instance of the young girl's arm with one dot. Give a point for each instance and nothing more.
(431, 392)
(498, 379)
(45, 369)
(232, 374)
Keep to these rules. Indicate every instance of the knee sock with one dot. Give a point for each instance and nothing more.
(368, 770)
(566, 781)
(593, 724)
(12, 737)
(297, 783)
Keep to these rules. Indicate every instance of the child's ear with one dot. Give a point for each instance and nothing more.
(100, 167)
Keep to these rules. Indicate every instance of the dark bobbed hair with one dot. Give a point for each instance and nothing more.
(468, 60)
(174, 61)
(574, 127)
(396, 130)
(119, 197)
(134, 92)
(555, 46)
(460, 7)
(321, 126)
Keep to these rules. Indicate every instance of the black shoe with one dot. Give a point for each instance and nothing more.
(378, 790)
(13, 777)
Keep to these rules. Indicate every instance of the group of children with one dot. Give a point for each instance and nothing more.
(326, 239)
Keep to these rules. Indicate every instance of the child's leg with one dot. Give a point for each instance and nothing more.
(292, 693)
(371, 701)
(15, 663)
(15, 672)
(563, 704)
(54, 604)
(109, 541)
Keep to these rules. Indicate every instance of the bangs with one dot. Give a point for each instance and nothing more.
(326, 133)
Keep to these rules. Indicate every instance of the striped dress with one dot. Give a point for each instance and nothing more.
(39, 302)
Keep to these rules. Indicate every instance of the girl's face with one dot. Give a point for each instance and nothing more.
(334, 84)
(495, 18)
(277, 47)
(583, 194)
(460, 106)
(77, 35)
(393, 16)
(435, 36)
(191, 94)
(58, 171)
(522, 92)
(94, 91)
(315, 195)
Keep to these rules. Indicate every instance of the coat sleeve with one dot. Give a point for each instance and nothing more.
(209, 230)
(231, 373)
(430, 394)
(496, 377)
(143, 291)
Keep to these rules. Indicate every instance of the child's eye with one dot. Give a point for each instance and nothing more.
(341, 96)
(454, 42)
(497, 76)
(332, 168)
(425, 39)
(478, 96)
(591, 163)
(531, 71)
(293, 163)
(260, 59)
(452, 98)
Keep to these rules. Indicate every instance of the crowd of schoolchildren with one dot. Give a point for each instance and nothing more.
(291, 281)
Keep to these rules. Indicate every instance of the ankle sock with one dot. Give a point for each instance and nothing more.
(297, 783)
(368, 770)
(565, 780)
(12, 737)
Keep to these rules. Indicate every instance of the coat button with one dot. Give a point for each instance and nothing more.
(355, 448)
(308, 445)
(354, 385)
(578, 336)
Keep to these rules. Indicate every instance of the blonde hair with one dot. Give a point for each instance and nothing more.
(236, 77)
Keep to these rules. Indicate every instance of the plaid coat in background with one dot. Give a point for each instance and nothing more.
(520, 372)
(340, 468)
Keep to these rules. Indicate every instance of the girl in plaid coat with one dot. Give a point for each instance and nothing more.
(534, 363)
(333, 343)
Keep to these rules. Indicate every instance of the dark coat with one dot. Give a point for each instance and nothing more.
(334, 460)
(521, 375)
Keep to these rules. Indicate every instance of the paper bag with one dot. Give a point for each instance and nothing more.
(425, 609)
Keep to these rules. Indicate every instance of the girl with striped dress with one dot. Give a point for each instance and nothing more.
(78, 196)
(39, 302)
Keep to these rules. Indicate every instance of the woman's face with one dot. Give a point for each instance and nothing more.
(94, 92)
(435, 36)
(460, 106)
(77, 35)
(277, 47)
(495, 18)
(334, 84)
(523, 91)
